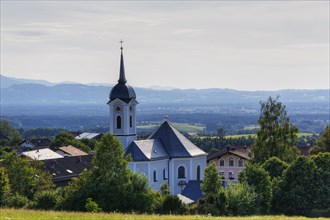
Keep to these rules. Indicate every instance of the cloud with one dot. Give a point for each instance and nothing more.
(244, 45)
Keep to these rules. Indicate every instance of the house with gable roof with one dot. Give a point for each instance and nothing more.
(166, 155)
(230, 161)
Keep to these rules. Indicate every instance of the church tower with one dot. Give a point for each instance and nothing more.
(122, 105)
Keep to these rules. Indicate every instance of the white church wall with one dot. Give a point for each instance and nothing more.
(148, 168)
(195, 162)
(176, 163)
(157, 166)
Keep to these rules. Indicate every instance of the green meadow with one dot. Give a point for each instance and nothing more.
(11, 214)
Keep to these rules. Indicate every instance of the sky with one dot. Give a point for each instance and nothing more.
(244, 45)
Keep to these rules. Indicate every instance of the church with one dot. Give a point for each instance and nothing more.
(166, 155)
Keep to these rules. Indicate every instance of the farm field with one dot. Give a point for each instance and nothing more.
(254, 135)
(49, 215)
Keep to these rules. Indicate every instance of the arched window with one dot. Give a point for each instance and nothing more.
(155, 176)
(198, 172)
(118, 122)
(181, 172)
(240, 163)
(131, 121)
(231, 161)
(164, 174)
(222, 162)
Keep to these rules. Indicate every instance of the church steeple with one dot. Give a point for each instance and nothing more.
(122, 78)
(122, 108)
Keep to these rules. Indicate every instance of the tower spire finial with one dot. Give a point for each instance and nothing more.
(122, 78)
(121, 44)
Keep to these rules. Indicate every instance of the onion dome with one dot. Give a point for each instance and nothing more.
(122, 90)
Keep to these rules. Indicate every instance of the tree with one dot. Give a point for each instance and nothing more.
(26, 177)
(11, 137)
(139, 190)
(275, 167)
(323, 143)
(211, 184)
(165, 188)
(65, 139)
(256, 177)
(221, 132)
(276, 136)
(215, 201)
(322, 176)
(4, 185)
(297, 193)
(110, 183)
(241, 199)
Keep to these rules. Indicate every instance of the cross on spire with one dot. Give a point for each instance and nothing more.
(121, 44)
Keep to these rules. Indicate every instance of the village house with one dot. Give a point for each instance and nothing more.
(230, 161)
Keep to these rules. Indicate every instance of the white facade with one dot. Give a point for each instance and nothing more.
(123, 120)
(168, 170)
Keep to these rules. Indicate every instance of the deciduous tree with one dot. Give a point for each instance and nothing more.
(211, 184)
(323, 143)
(259, 179)
(10, 136)
(275, 167)
(4, 185)
(26, 177)
(297, 193)
(276, 136)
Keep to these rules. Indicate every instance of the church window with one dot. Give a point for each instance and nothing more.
(118, 109)
(118, 122)
(164, 174)
(130, 121)
(240, 163)
(222, 162)
(231, 162)
(181, 172)
(155, 176)
(198, 173)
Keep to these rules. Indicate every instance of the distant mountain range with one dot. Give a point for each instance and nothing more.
(16, 91)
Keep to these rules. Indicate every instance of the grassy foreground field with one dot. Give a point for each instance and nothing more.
(8, 214)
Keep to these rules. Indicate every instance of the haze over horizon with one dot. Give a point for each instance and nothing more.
(238, 45)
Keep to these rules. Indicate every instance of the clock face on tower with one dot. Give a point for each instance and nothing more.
(117, 109)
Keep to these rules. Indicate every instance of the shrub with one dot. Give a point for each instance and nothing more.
(17, 201)
(173, 205)
(92, 206)
(241, 200)
(46, 200)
